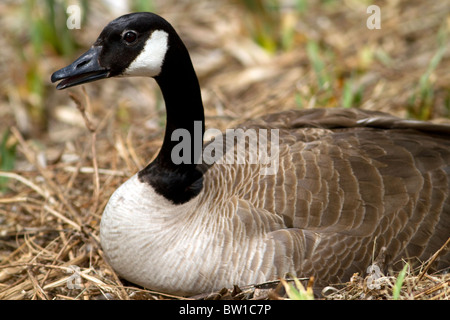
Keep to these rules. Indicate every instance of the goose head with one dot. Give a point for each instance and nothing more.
(135, 44)
(144, 44)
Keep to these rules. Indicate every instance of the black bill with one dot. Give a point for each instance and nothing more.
(85, 69)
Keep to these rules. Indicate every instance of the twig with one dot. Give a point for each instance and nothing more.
(43, 193)
(75, 171)
(432, 259)
(82, 109)
(64, 249)
(96, 175)
(37, 288)
(30, 155)
(132, 152)
(106, 172)
(93, 130)
(14, 200)
(62, 217)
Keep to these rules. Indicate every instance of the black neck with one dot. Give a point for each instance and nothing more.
(178, 182)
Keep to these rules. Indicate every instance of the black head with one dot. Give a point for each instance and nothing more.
(135, 44)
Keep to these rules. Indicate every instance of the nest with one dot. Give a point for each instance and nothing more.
(92, 139)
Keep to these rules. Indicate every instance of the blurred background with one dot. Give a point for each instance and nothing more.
(252, 57)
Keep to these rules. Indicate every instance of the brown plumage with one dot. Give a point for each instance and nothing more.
(353, 186)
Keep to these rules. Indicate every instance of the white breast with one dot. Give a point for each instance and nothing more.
(182, 249)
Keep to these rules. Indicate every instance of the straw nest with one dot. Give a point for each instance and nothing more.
(94, 137)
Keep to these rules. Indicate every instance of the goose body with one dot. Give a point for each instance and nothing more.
(351, 186)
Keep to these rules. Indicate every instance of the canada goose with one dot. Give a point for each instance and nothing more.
(352, 185)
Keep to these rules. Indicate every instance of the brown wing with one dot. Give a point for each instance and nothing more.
(359, 181)
(349, 183)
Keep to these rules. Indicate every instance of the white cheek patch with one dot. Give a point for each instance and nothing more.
(149, 62)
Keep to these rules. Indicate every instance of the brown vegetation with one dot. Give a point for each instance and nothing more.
(71, 150)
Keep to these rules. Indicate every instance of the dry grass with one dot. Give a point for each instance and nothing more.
(69, 161)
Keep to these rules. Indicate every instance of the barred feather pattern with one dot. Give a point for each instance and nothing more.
(352, 187)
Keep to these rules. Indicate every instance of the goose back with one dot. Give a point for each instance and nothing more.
(352, 187)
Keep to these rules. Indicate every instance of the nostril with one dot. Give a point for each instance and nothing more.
(81, 64)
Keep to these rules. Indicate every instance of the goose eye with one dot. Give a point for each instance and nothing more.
(129, 37)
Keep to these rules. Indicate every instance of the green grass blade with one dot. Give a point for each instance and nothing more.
(7, 158)
(399, 283)
(298, 292)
